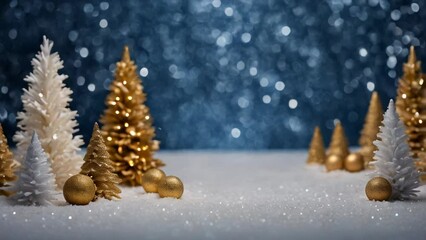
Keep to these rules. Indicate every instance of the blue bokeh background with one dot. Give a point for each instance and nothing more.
(243, 74)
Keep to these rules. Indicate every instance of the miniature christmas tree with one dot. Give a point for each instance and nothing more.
(411, 107)
(369, 132)
(316, 149)
(36, 183)
(339, 143)
(7, 165)
(393, 160)
(99, 167)
(128, 125)
(46, 111)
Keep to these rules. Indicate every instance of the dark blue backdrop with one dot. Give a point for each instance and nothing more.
(221, 74)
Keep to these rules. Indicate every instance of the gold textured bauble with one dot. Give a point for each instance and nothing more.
(354, 162)
(334, 162)
(151, 179)
(79, 190)
(170, 186)
(378, 189)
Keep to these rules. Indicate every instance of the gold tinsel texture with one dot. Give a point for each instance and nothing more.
(7, 165)
(127, 125)
(316, 148)
(372, 123)
(411, 107)
(339, 142)
(99, 167)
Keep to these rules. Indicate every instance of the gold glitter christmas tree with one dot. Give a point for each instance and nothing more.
(316, 148)
(7, 165)
(373, 120)
(127, 125)
(411, 107)
(99, 167)
(339, 142)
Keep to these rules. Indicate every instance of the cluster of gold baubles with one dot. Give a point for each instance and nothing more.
(156, 181)
(80, 189)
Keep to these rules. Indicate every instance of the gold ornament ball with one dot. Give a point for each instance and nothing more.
(354, 162)
(170, 186)
(334, 162)
(79, 190)
(151, 179)
(378, 189)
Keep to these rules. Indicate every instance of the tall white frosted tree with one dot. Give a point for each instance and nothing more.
(36, 182)
(393, 158)
(46, 110)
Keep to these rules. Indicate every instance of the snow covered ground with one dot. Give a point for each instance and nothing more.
(230, 195)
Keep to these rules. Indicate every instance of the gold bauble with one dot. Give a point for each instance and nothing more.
(378, 189)
(354, 162)
(334, 162)
(170, 186)
(79, 190)
(151, 179)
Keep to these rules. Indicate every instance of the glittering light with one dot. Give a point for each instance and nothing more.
(235, 132)
(370, 86)
(264, 82)
(286, 30)
(292, 104)
(415, 7)
(144, 72)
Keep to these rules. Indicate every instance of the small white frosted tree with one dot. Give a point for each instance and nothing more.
(393, 158)
(46, 110)
(36, 182)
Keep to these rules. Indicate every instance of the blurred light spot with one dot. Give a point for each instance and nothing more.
(363, 52)
(144, 72)
(13, 33)
(103, 23)
(264, 82)
(72, 36)
(292, 104)
(91, 87)
(370, 86)
(216, 3)
(266, 99)
(279, 85)
(253, 71)
(235, 132)
(286, 30)
(415, 7)
(243, 102)
(395, 15)
(104, 6)
(392, 61)
(229, 11)
(80, 81)
(246, 37)
(84, 52)
(240, 65)
(4, 90)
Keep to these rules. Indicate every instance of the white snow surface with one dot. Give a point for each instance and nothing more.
(230, 195)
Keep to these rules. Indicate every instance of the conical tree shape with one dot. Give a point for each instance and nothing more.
(127, 125)
(339, 142)
(316, 148)
(7, 165)
(411, 107)
(373, 120)
(99, 167)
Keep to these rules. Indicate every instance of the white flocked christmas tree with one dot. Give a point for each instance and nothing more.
(393, 158)
(46, 110)
(36, 182)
